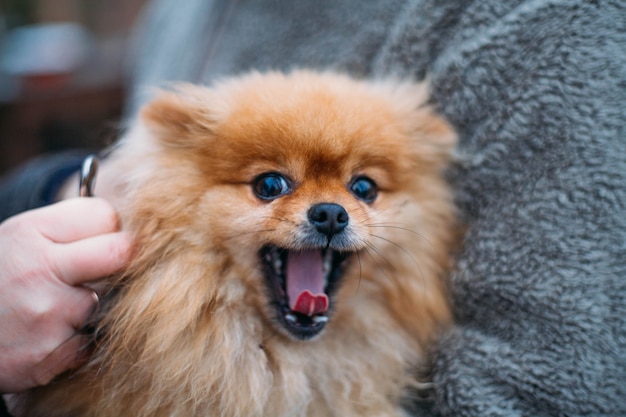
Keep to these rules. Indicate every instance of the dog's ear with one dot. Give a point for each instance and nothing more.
(182, 116)
(433, 136)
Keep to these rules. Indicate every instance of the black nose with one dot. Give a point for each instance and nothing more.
(328, 218)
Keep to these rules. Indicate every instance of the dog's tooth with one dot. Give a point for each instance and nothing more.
(320, 319)
(278, 264)
(290, 317)
(327, 262)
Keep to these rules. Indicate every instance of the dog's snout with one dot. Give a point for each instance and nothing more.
(328, 218)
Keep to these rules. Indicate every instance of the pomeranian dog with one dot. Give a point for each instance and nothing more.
(294, 236)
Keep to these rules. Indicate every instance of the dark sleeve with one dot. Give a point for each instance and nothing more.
(36, 183)
(3, 408)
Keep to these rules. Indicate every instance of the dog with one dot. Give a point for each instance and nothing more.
(294, 235)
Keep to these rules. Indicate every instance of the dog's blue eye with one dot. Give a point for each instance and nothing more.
(270, 186)
(364, 189)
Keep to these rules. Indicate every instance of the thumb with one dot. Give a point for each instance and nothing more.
(69, 355)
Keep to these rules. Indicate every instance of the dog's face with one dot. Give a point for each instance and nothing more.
(303, 180)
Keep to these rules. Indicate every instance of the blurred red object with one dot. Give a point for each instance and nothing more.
(45, 56)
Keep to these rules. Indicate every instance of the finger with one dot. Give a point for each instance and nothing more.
(91, 258)
(65, 356)
(79, 305)
(76, 219)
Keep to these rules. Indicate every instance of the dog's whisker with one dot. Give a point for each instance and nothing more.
(389, 212)
(280, 219)
(390, 226)
(380, 267)
(406, 252)
(377, 252)
(358, 286)
(251, 232)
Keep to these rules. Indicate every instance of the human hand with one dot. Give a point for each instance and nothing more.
(45, 255)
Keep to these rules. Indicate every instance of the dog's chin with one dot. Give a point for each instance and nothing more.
(299, 311)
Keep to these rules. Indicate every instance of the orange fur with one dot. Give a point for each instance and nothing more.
(190, 332)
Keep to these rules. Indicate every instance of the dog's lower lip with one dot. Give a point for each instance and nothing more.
(291, 317)
(301, 326)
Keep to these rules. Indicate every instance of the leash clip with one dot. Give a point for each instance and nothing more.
(88, 173)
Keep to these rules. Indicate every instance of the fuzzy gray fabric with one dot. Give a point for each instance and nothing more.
(537, 90)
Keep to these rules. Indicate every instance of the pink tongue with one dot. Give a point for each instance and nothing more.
(305, 283)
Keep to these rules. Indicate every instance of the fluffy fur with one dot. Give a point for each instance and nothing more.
(189, 329)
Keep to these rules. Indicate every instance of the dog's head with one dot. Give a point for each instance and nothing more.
(298, 178)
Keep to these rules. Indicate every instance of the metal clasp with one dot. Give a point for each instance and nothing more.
(88, 173)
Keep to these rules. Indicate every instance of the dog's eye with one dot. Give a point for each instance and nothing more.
(364, 189)
(270, 186)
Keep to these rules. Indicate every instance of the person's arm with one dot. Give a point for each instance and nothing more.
(38, 182)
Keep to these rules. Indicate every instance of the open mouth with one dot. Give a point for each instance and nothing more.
(302, 284)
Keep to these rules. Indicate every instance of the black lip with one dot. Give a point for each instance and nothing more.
(300, 326)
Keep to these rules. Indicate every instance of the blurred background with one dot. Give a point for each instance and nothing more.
(63, 65)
